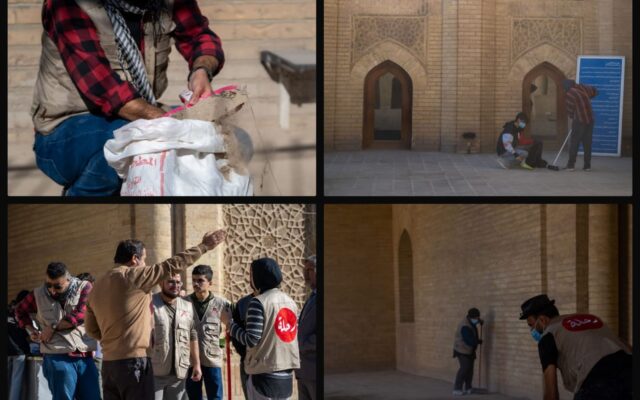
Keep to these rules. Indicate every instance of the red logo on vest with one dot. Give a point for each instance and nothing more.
(286, 325)
(581, 322)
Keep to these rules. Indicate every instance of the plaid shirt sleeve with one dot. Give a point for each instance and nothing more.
(192, 34)
(76, 317)
(24, 308)
(78, 42)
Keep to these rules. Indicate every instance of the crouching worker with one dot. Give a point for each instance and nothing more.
(514, 149)
(594, 362)
(175, 344)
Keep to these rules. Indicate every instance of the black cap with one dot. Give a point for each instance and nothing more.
(534, 305)
(522, 117)
(473, 313)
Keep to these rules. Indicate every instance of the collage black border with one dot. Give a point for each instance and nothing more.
(320, 200)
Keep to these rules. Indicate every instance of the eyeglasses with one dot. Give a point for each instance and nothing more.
(56, 286)
(175, 283)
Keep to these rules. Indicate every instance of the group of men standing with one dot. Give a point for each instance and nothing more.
(165, 346)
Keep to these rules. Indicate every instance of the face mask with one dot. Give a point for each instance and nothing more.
(522, 125)
(537, 336)
(474, 321)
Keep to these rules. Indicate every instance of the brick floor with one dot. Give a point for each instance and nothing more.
(414, 173)
(394, 385)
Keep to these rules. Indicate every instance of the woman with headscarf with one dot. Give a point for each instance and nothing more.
(270, 334)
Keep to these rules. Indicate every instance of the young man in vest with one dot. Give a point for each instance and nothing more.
(118, 315)
(60, 306)
(515, 149)
(595, 363)
(206, 313)
(306, 375)
(103, 64)
(464, 349)
(578, 102)
(270, 335)
(175, 344)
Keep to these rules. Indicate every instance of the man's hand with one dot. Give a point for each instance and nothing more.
(212, 239)
(140, 109)
(35, 336)
(46, 334)
(199, 85)
(196, 373)
(199, 82)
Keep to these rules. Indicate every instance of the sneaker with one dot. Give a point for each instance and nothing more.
(468, 391)
(571, 169)
(587, 169)
(501, 163)
(458, 393)
(526, 166)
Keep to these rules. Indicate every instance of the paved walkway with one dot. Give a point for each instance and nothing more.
(394, 385)
(414, 173)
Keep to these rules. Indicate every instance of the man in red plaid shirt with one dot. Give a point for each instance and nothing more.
(103, 64)
(59, 307)
(578, 102)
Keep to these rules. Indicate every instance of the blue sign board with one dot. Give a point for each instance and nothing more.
(606, 74)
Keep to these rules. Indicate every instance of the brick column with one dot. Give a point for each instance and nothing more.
(449, 75)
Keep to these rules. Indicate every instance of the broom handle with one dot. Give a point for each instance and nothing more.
(228, 365)
(562, 148)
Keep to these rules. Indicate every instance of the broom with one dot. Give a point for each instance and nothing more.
(480, 390)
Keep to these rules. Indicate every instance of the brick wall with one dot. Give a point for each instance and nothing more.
(359, 306)
(469, 80)
(492, 257)
(246, 27)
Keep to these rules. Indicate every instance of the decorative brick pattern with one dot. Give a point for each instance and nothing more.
(406, 31)
(528, 33)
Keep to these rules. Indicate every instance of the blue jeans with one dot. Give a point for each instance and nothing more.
(71, 377)
(15, 367)
(212, 378)
(72, 155)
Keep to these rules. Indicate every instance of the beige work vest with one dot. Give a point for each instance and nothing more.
(582, 340)
(209, 328)
(459, 344)
(162, 347)
(277, 350)
(55, 96)
(51, 312)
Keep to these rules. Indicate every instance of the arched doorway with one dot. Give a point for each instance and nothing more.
(543, 101)
(387, 107)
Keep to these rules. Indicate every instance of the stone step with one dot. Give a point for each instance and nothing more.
(30, 33)
(30, 13)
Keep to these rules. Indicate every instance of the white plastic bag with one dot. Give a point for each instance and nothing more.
(170, 157)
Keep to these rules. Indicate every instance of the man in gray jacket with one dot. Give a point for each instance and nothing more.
(306, 375)
(175, 341)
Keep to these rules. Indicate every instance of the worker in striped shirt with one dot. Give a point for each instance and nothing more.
(578, 101)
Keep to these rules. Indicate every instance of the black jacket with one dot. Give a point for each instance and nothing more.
(510, 128)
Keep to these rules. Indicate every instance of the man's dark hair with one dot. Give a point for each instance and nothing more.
(23, 293)
(549, 311)
(127, 249)
(85, 276)
(522, 117)
(203, 270)
(56, 269)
